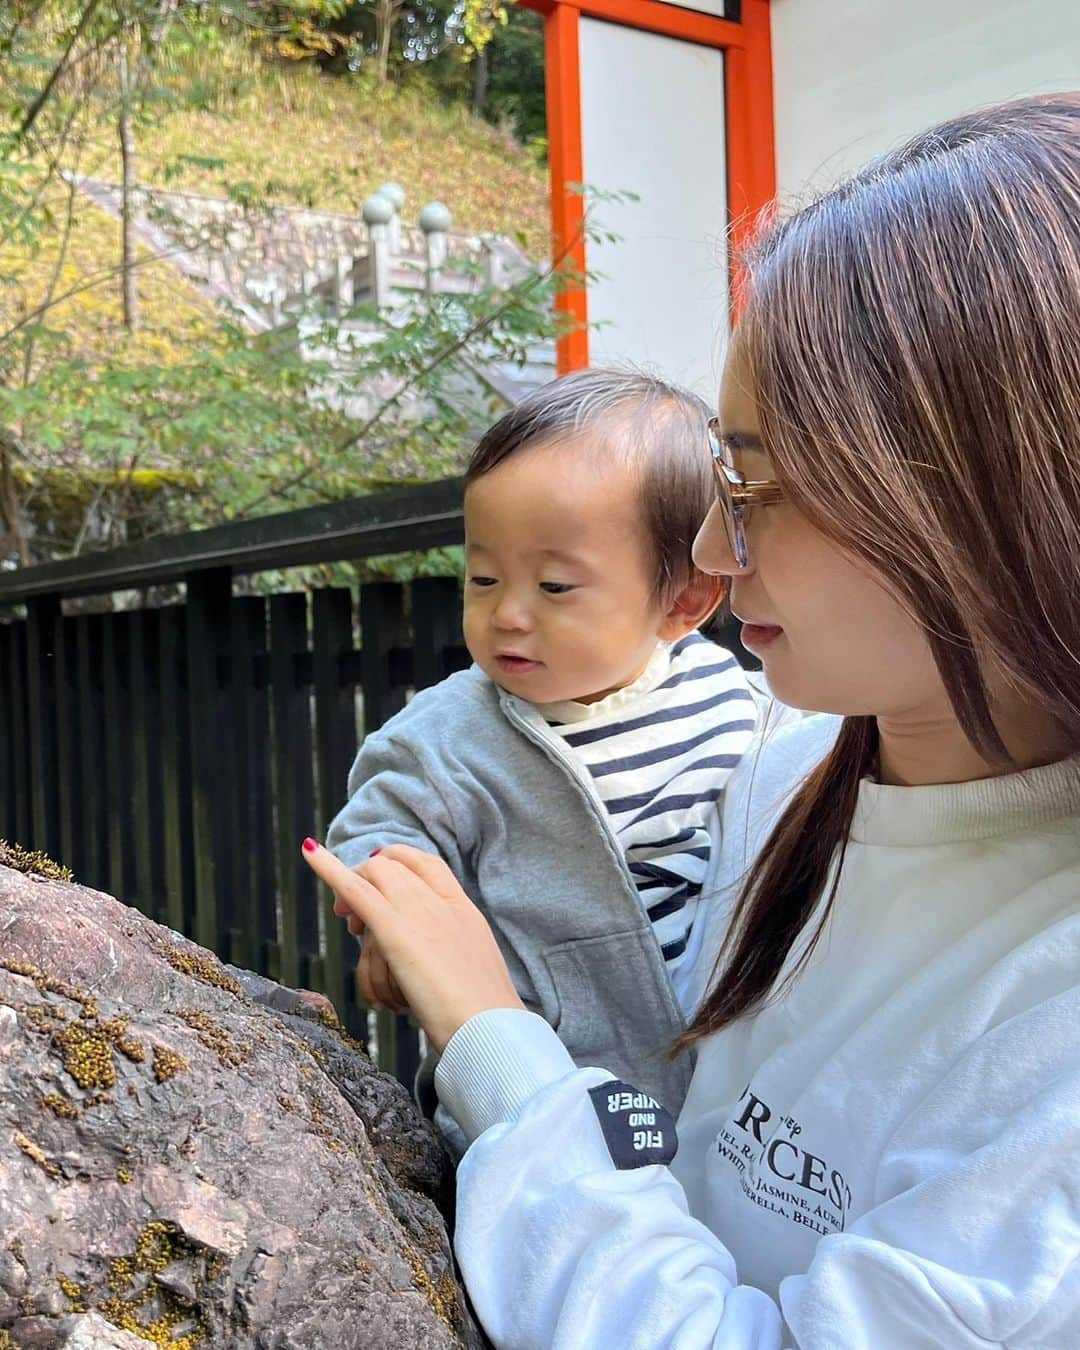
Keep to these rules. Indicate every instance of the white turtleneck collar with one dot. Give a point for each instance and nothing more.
(957, 812)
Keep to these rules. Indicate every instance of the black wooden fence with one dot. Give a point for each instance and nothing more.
(175, 755)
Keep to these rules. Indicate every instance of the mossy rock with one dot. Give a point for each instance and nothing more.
(194, 1156)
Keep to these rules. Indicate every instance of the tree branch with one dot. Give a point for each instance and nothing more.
(34, 111)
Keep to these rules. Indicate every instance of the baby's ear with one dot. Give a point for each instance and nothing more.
(693, 605)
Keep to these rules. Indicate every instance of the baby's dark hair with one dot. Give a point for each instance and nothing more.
(662, 430)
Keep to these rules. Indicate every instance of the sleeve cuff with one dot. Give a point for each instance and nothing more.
(493, 1065)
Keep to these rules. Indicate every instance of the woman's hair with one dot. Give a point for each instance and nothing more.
(914, 339)
(655, 429)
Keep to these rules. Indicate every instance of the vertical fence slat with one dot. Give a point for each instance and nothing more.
(175, 781)
(382, 630)
(438, 648)
(20, 720)
(93, 818)
(69, 761)
(117, 734)
(294, 784)
(41, 617)
(209, 597)
(335, 746)
(264, 861)
(145, 843)
(7, 739)
(252, 876)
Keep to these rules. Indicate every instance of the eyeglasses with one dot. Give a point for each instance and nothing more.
(735, 494)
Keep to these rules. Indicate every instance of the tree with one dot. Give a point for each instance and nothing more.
(94, 450)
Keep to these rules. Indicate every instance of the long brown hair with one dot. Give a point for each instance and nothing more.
(914, 337)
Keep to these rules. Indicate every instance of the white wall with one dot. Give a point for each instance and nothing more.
(652, 114)
(854, 77)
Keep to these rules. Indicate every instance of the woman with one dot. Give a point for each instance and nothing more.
(881, 1143)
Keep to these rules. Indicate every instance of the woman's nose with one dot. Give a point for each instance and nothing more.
(713, 551)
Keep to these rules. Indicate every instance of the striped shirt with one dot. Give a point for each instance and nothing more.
(659, 753)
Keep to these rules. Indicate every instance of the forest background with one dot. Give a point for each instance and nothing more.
(130, 404)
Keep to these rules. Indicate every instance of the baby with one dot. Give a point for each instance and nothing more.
(570, 778)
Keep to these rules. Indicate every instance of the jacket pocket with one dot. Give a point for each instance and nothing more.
(616, 1009)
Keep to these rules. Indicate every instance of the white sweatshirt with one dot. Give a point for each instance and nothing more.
(887, 1156)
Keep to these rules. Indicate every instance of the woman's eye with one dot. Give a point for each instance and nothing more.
(556, 587)
(481, 581)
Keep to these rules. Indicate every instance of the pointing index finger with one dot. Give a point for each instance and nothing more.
(361, 896)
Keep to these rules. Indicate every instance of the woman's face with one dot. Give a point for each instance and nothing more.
(830, 636)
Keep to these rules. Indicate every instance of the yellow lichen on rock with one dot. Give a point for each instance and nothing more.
(231, 1052)
(87, 1055)
(60, 1106)
(441, 1294)
(74, 1293)
(167, 1063)
(149, 1309)
(37, 1154)
(201, 966)
(26, 860)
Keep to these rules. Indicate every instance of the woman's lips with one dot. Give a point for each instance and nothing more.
(757, 636)
(516, 665)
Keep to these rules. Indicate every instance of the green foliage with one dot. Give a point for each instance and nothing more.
(108, 434)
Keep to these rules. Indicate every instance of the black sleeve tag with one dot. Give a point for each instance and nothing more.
(637, 1129)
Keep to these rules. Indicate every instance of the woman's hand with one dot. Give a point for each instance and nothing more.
(437, 944)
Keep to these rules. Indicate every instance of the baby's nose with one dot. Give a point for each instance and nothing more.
(511, 614)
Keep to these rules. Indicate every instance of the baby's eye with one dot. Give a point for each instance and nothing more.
(481, 581)
(556, 587)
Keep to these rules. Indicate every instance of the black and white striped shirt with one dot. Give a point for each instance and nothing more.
(659, 753)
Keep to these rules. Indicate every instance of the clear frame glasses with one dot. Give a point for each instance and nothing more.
(735, 495)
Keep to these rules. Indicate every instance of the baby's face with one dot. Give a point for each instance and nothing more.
(559, 592)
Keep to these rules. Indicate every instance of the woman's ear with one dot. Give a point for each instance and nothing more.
(693, 605)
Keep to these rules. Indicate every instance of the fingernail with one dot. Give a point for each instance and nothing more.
(310, 845)
(374, 852)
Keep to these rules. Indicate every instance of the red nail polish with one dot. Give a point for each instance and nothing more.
(374, 852)
(310, 845)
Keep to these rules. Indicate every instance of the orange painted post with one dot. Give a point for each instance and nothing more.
(748, 104)
(563, 76)
(670, 20)
(751, 135)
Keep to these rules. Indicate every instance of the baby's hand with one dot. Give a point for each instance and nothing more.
(377, 983)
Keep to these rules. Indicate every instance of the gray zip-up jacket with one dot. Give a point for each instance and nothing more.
(475, 775)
